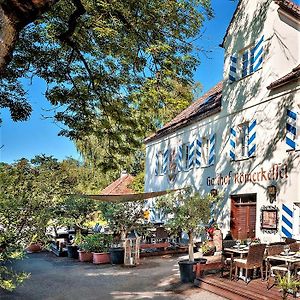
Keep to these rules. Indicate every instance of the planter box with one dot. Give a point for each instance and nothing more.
(85, 256)
(34, 247)
(101, 258)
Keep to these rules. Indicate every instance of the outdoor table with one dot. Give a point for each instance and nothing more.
(242, 251)
(288, 259)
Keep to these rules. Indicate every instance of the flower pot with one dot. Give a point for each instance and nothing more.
(101, 258)
(34, 247)
(187, 273)
(85, 256)
(72, 251)
(117, 255)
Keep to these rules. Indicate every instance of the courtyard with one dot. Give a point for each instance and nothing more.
(62, 278)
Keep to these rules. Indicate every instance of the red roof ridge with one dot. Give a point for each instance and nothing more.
(119, 186)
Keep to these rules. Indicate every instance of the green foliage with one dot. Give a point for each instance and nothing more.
(123, 217)
(181, 209)
(74, 210)
(97, 242)
(124, 70)
(187, 210)
(138, 183)
(288, 284)
(32, 197)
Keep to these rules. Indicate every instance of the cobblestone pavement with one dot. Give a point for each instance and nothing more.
(61, 278)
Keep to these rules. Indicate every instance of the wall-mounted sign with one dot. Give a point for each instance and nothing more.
(278, 171)
(269, 219)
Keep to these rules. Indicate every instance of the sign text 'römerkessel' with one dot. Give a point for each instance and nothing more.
(278, 171)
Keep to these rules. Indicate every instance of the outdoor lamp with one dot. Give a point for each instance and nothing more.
(272, 190)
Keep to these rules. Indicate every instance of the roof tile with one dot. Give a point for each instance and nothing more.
(205, 106)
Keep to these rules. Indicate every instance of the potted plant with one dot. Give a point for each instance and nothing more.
(288, 285)
(189, 211)
(85, 249)
(99, 245)
(121, 219)
(73, 247)
(35, 245)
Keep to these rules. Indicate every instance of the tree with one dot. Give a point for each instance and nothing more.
(122, 217)
(96, 55)
(188, 211)
(33, 195)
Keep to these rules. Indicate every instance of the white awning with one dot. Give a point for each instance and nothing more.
(126, 197)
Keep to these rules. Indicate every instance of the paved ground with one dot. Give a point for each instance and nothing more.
(58, 278)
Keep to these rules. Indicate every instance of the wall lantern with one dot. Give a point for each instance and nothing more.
(214, 192)
(272, 191)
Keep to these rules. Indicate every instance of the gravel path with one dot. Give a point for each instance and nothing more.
(60, 278)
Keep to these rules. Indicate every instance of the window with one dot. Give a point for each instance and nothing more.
(242, 140)
(160, 163)
(185, 156)
(246, 61)
(204, 151)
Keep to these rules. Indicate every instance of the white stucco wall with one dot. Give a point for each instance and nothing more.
(245, 100)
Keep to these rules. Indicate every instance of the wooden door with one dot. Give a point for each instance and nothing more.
(242, 218)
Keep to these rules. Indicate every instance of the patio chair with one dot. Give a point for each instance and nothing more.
(253, 261)
(214, 262)
(274, 267)
(294, 247)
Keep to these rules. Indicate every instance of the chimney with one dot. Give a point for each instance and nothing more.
(123, 173)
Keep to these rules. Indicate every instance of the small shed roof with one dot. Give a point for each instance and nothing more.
(290, 77)
(120, 186)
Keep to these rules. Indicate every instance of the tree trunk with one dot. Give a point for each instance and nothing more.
(191, 246)
(14, 16)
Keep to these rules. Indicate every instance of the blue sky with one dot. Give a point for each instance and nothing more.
(40, 135)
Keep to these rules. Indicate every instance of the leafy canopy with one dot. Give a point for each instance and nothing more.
(103, 60)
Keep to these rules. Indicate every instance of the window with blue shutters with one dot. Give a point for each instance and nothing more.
(243, 141)
(292, 137)
(246, 61)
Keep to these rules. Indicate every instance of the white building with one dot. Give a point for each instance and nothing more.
(242, 137)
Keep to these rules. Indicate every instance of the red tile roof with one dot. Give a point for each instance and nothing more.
(120, 186)
(207, 105)
(289, 6)
(292, 76)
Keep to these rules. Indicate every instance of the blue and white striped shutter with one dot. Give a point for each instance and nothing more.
(287, 220)
(198, 153)
(191, 155)
(252, 138)
(232, 68)
(291, 129)
(165, 161)
(156, 163)
(245, 63)
(257, 55)
(179, 158)
(212, 149)
(232, 142)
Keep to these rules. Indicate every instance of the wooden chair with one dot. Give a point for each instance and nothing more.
(254, 260)
(294, 247)
(274, 267)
